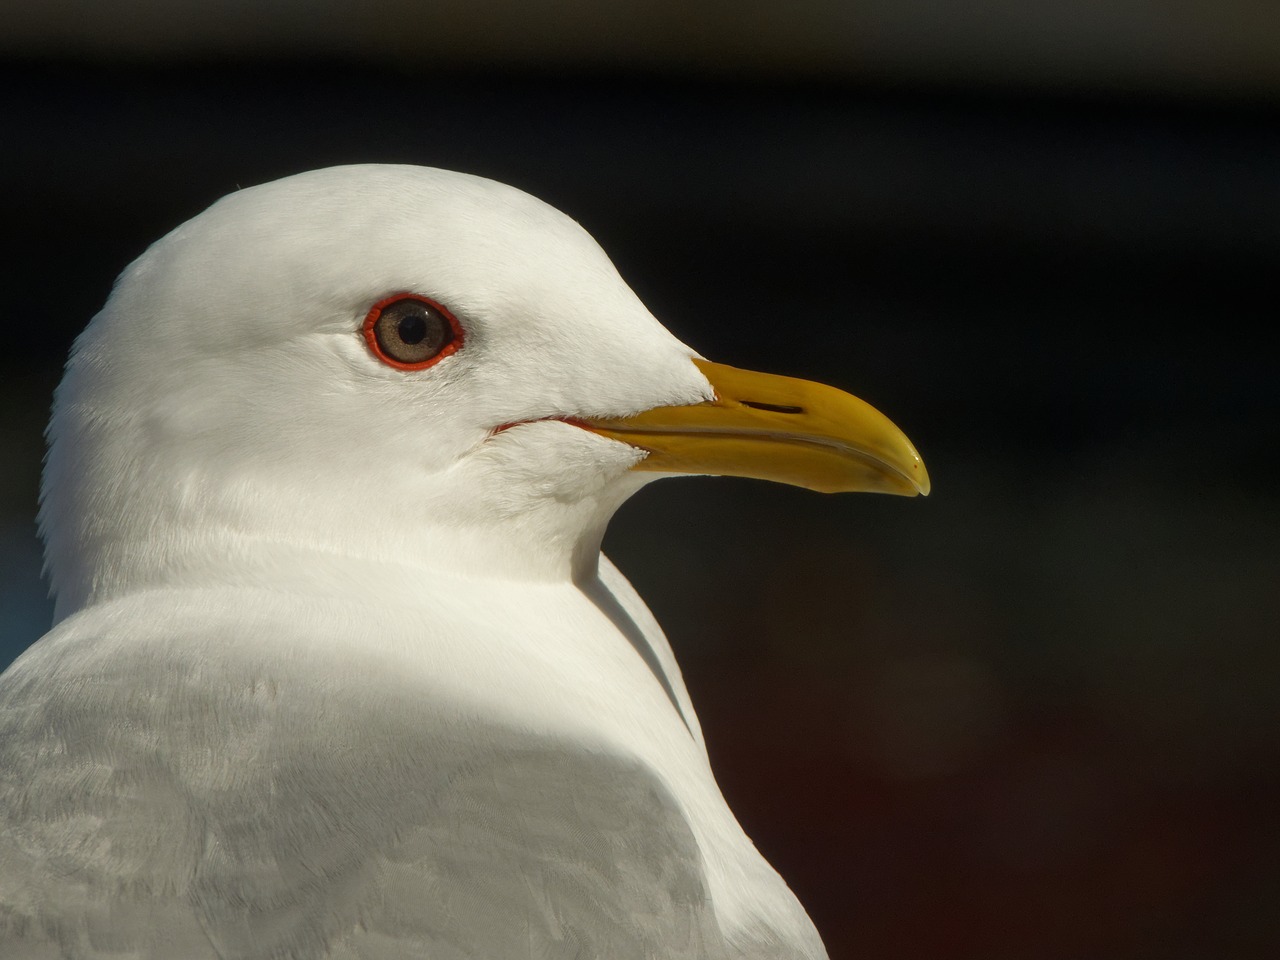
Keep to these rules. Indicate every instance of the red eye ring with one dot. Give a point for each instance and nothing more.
(373, 337)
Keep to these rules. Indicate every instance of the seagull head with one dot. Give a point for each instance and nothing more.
(407, 365)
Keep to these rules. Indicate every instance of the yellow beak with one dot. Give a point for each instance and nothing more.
(775, 428)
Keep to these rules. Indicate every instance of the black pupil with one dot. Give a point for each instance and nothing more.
(412, 329)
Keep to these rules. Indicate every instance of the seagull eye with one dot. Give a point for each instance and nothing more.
(411, 332)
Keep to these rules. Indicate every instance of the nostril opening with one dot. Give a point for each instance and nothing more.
(775, 407)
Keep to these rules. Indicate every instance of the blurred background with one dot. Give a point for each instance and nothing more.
(1034, 716)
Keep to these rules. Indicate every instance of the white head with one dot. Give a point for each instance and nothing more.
(227, 397)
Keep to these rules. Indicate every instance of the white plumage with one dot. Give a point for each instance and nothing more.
(337, 668)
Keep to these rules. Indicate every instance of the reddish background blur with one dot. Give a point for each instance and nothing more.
(1033, 716)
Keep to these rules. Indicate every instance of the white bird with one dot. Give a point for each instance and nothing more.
(338, 669)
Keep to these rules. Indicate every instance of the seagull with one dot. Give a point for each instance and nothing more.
(337, 668)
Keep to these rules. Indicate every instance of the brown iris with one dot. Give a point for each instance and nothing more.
(411, 332)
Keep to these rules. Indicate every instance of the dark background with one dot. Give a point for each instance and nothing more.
(1033, 716)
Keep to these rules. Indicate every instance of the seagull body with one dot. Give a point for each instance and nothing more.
(338, 669)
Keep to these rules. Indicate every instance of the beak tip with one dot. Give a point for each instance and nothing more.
(920, 477)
